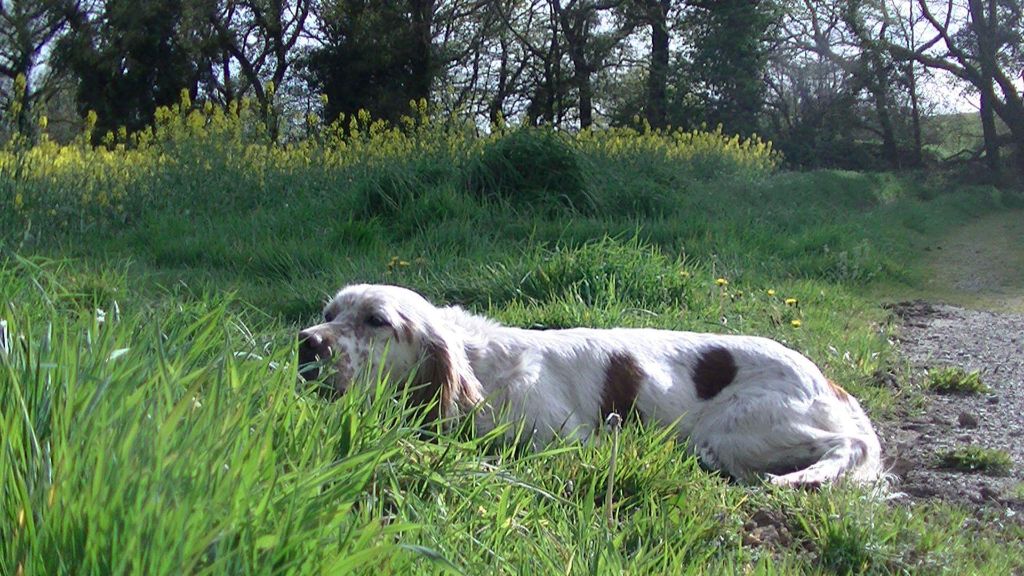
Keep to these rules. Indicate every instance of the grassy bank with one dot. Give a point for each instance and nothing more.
(152, 293)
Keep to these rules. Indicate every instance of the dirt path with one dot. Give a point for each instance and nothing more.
(981, 266)
(978, 271)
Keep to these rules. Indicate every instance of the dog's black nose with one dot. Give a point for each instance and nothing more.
(313, 350)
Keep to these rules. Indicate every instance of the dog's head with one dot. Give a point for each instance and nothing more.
(377, 329)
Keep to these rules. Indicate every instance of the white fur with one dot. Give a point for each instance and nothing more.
(779, 416)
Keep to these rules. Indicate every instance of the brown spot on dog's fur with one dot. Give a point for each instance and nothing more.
(715, 369)
(838, 391)
(622, 380)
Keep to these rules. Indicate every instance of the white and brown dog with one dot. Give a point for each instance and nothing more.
(748, 405)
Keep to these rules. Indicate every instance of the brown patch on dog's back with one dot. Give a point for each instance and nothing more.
(839, 391)
(622, 379)
(715, 369)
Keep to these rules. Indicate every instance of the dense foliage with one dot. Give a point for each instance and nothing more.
(848, 84)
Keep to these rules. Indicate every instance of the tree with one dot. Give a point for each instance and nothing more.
(981, 45)
(588, 46)
(129, 57)
(479, 57)
(840, 87)
(873, 68)
(657, 18)
(536, 60)
(729, 44)
(28, 28)
(260, 37)
(373, 56)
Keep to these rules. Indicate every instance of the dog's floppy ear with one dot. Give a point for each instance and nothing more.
(446, 376)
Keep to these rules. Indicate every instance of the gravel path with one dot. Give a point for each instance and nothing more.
(990, 343)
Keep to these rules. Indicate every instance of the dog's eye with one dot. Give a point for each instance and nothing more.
(377, 320)
(329, 316)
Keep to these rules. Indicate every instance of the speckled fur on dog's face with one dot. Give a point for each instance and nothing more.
(363, 326)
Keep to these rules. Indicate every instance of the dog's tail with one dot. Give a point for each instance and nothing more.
(851, 453)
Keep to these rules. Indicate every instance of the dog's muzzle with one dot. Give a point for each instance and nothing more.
(314, 351)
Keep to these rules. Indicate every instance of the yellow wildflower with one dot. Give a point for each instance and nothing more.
(771, 292)
(791, 301)
(795, 323)
(722, 282)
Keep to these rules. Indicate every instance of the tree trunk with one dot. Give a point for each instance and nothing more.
(981, 25)
(988, 130)
(576, 28)
(229, 89)
(915, 114)
(422, 74)
(880, 95)
(657, 76)
(1013, 118)
(495, 109)
(586, 100)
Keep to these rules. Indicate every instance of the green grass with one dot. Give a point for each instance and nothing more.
(954, 380)
(150, 420)
(976, 459)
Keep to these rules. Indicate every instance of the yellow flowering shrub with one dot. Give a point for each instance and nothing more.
(213, 153)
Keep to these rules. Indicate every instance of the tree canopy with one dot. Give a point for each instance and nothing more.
(833, 83)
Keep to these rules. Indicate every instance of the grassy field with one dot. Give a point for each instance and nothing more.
(152, 291)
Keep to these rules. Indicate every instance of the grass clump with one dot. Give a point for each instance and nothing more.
(954, 380)
(976, 459)
(531, 167)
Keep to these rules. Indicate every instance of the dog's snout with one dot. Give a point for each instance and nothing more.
(313, 350)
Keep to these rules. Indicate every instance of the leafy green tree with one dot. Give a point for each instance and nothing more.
(729, 44)
(129, 57)
(372, 55)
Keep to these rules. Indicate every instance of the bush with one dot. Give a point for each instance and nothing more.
(531, 167)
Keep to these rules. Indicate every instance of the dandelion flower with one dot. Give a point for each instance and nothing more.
(722, 282)
(795, 323)
(771, 292)
(791, 301)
